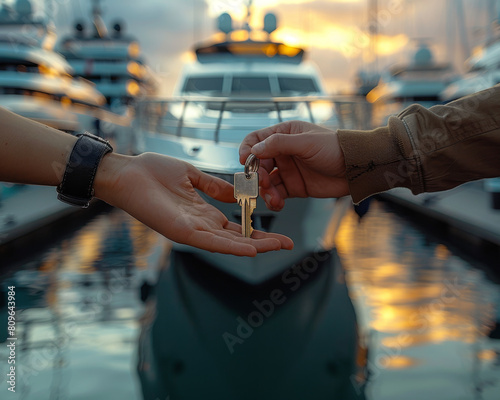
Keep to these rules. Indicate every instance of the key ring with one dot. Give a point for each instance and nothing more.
(251, 165)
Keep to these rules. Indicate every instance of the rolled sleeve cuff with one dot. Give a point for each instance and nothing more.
(379, 160)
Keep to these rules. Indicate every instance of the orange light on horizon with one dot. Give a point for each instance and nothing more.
(387, 45)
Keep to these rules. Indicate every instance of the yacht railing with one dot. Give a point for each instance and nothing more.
(172, 116)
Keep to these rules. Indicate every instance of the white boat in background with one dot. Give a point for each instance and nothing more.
(483, 72)
(235, 87)
(37, 83)
(420, 81)
(483, 66)
(112, 61)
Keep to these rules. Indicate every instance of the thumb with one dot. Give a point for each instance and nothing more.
(281, 144)
(216, 188)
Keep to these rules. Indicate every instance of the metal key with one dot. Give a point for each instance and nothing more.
(246, 191)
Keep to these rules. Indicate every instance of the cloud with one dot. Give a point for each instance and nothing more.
(334, 32)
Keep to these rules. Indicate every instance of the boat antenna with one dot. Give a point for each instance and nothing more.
(100, 27)
(249, 14)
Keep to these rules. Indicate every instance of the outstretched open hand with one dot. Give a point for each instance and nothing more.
(298, 159)
(160, 192)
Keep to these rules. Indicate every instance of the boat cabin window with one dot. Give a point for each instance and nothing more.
(206, 85)
(18, 66)
(299, 86)
(264, 85)
(250, 85)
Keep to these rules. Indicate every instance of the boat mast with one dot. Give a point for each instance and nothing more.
(249, 14)
(456, 20)
(464, 41)
(491, 10)
(373, 33)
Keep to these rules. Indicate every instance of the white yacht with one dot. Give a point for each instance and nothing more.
(242, 83)
(36, 82)
(111, 60)
(420, 81)
(483, 72)
(483, 67)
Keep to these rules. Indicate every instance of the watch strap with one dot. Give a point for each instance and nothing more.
(77, 185)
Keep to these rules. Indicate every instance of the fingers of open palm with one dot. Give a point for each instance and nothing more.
(286, 242)
(220, 227)
(263, 241)
(216, 242)
(229, 241)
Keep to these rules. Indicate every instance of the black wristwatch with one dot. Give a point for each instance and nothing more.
(77, 185)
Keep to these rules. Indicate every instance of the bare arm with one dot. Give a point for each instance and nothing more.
(155, 189)
(31, 152)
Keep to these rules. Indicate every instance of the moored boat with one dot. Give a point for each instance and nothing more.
(112, 60)
(420, 81)
(37, 83)
(234, 87)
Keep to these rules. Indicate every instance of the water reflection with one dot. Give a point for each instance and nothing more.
(428, 313)
(209, 336)
(77, 311)
(426, 321)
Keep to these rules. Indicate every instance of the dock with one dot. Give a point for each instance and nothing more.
(467, 209)
(32, 207)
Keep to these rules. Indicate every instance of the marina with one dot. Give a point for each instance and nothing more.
(398, 297)
(263, 83)
(422, 306)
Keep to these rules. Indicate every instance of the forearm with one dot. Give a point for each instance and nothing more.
(31, 152)
(426, 150)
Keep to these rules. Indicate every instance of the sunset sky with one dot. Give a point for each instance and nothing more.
(333, 31)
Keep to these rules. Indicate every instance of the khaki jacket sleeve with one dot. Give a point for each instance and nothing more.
(426, 150)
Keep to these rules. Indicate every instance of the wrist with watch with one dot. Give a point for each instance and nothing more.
(77, 185)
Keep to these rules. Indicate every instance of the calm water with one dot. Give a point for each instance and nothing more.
(102, 313)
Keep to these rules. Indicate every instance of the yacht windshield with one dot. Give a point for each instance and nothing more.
(207, 85)
(251, 85)
(431, 74)
(297, 86)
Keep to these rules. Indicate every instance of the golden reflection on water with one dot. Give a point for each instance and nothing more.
(409, 292)
(399, 362)
(78, 307)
